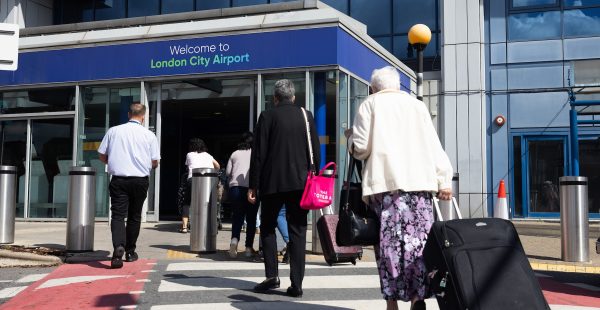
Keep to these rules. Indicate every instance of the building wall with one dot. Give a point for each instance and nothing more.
(26, 13)
(463, 112)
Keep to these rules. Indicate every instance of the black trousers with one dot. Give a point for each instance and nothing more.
(296, 218)
(127, 195)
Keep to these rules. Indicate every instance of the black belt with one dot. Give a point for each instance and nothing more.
(128, 178)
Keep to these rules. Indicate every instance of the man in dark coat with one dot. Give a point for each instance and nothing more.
(278, 168)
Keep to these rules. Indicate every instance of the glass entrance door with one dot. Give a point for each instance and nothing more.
(50, 158)
(13, 150)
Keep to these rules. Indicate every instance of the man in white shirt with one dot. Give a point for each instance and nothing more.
(131, 152)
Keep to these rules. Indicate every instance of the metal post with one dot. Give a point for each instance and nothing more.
(420, 48)
(316, 214)
(203, 211)
(81, 209)
(574, 142)
(574, 219)
(8, 203)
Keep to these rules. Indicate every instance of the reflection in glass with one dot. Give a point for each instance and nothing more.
(403, 50)
(345, 123)
(546, 166)
(38, 100)
(406, 14)
(211, 4)
(340, 5)
(299, 80)
(534, 26)
(110, 9)
(13, 148)
(66, 12)
(51, 159)
(584, 22)
(526, 3)
(517, 177)
(581, 2)
(385, 42)
(589, 166)
(372, 14)
(137, 8)
(176, 6)
(247, 2)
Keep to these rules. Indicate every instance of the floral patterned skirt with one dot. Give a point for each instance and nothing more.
(406, 218)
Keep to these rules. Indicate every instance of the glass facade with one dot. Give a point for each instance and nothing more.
(552, 19)
(38, 100)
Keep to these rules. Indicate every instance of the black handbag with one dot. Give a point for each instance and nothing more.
(357, 225)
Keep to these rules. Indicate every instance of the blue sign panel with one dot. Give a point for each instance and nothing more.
(244, 52)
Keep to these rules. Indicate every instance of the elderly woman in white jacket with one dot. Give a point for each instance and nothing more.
(404, 164)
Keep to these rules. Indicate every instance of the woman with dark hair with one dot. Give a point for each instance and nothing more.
(237, 173)
(197, 157)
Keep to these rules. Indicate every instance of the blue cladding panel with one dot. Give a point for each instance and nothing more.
(269, 50)
(550, 110)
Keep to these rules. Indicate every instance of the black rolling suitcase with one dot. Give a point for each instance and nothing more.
(480, 264)
(334, 253)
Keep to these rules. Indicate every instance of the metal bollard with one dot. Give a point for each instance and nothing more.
(448, 212)
(203, 211)
(574, 219)
(81, 208)
(8, 203)
(316, 214)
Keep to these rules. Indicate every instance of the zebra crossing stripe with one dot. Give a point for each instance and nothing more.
(243, 283)
(11, 291)
(32, 278)
(211, 266)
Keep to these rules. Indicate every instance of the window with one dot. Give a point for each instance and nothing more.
(570, 3)
(110, 9)
(247, 2)
(406, 14)
(137, 8)
(211, 4)
(37, 100)
(532, 3)
(340, 5)
(583, 22)
(374, 14)
(176, 6)
(534, 26)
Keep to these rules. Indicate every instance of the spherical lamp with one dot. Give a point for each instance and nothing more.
(419, 36)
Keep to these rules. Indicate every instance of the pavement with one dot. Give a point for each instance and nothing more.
(168, 276)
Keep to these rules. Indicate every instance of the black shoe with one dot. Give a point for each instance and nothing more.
(268, 284)
(294, 291)
(117, 258)
(418, 305)
(131, 257)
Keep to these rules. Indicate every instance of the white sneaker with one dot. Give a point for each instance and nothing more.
(249, 252)
(233, 248)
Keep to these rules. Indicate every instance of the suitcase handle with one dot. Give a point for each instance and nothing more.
(439, 212)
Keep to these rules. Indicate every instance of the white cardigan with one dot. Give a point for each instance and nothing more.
(394, 134)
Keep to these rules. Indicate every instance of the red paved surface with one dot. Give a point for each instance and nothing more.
(557, 293)
(100, 294)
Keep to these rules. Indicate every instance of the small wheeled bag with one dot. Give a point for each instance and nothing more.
(334, 253)
(480, 264)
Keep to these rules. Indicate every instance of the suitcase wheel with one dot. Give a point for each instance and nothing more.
(353, 261)
(360, 256)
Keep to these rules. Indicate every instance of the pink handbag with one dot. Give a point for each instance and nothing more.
(318, 190)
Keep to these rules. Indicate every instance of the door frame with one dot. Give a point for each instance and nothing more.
(28, 117)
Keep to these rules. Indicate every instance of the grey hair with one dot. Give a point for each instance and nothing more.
(137, 109)
(284, 90)
(385, 78)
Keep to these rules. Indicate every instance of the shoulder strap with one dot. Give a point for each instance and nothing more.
(310, 150)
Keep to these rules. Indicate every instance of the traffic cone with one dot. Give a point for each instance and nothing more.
(501, 207)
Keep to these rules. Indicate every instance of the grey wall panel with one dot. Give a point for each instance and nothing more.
(499, 139)
(449, 126)
(543, 75)
(498, 75)
(497, 53)
(449, 68)
(463, 204)
(462, 141)
(462, 67)
(461, 21)
(474, 63)
(550, 110)
(497, 21)
(582, 48)
(474, 21)
(476, 147)
(447, 13)
(534, 51)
